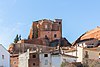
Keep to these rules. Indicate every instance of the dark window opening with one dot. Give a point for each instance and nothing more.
(55, 35)
(33, 64)
(45, 36)
(59, 22)
(92, 44)
(14, 62)
(86, 54)
(2, 56)
(82, 44)
(33, 35)
(34, 56)
(78, 44)
(45, 55)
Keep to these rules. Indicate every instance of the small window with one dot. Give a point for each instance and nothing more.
(34, 56)
(59, 22)
(64, 60)
(14, 62)
(86, 54)
(46, 62)
(2, 56)
(33, 64)
(78, 44)
(55, 35)
(45, 55)
(46, 36)
(99, 53)
(82, 44)
(92, 44)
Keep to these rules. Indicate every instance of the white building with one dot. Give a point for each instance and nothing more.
(75, 52)
(92, 53)
(68, 58)
(23, 59)
(45, 59)
(79, 54)
(29, 59)
(4, 57)
(58, 59)
(88, 43)
(70, 52)
(35, 59)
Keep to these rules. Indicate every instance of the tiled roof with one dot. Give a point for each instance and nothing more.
(92, 34)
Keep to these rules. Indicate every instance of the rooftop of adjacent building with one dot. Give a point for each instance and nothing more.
(4, 48)
(63, 55)
(97, 49)
(93, 31)
(66, 55)
(14, 55)
(89, 35)
(70, 51)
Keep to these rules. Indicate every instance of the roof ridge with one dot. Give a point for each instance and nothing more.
(93, 29)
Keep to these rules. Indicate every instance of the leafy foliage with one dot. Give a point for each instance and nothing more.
(63, 64)
(17, 38)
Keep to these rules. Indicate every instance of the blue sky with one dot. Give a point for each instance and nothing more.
(78, 16)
